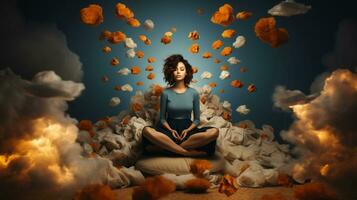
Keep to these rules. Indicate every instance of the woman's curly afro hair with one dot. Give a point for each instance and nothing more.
(171, 65)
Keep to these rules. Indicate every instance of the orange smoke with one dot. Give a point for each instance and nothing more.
(324, 134)
(41, 152)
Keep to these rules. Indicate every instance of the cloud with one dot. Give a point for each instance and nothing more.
(29, 47)
(39, 152)
(288, 8)
(324, 132)
(23, 99)
(345, 53)
(284, 98)
(28, 106)
(319, 82)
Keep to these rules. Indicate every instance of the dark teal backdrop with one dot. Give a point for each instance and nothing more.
(294, 64)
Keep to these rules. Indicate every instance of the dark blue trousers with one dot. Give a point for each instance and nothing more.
(179, 125)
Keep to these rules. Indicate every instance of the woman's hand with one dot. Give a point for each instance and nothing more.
(184, 134)
(175, 134)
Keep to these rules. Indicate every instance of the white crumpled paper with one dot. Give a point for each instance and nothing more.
(251, 154)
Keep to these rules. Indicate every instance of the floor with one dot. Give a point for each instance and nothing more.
(276, 193)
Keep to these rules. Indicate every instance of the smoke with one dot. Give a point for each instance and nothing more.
(284, 98)
(324, 131)
(28, 47)
(345, 53)
(39, 155)
(325, 134)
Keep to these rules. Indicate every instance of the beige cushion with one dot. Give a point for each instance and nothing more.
(174, 165)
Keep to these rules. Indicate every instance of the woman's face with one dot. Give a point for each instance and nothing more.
(180, 72)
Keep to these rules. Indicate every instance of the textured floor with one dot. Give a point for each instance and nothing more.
(213, 194)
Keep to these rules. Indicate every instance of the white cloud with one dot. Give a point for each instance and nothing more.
(284, 98)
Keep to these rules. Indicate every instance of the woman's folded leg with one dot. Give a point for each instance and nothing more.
(199, 139)
(163, 141)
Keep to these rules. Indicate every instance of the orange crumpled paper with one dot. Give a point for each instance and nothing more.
(243, 15)
(226, 51)
(229, 33)
(206, 55)
(92, 15)
(217, 44)
(122, 11)
(228, 185)
(195, 48)
(266, 30)
(224, 15)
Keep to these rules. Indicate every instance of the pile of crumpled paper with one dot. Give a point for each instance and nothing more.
(251, 154)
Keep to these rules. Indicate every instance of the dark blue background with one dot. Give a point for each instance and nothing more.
(294, 64)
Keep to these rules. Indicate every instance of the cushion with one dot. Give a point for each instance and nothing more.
(174, 165)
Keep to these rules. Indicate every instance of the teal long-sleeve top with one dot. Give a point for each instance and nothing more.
(180, 105)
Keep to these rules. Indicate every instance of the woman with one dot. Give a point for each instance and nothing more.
(175, 134)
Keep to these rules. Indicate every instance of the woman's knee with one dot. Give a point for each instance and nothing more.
(147, 132)
(214, 132)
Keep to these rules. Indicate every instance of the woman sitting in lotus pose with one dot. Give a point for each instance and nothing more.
(175, 134)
